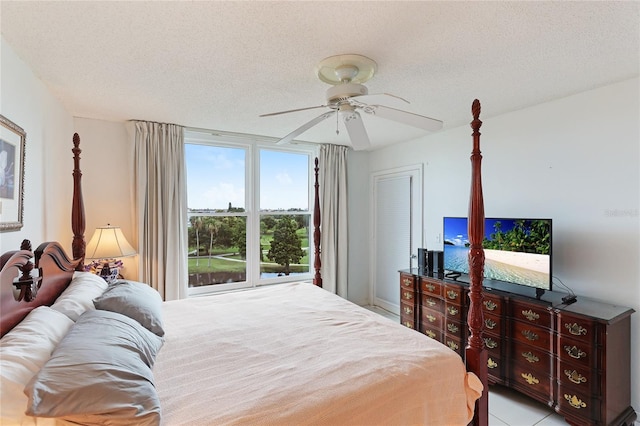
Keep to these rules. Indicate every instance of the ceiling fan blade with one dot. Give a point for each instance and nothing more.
(371, 95)
(409, 118)
(357, 132)
(300, 130)
(291, 110)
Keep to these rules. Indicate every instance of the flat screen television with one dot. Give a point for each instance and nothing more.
(516, 250)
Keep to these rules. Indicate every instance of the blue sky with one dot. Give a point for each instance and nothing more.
(455, 228)
(216, 176)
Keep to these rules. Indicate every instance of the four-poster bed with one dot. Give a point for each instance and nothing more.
(300, 355)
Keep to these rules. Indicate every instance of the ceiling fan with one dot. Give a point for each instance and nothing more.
(347, 96)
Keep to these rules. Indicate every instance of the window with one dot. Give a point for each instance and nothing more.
(249, 217)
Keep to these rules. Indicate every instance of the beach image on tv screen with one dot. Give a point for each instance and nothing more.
(516, 250)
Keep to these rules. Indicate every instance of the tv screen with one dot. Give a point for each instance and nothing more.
(516, 250)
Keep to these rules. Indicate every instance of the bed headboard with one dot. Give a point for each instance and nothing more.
(51, 264)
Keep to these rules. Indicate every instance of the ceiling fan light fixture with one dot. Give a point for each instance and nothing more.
(356, 68)
(345, 91)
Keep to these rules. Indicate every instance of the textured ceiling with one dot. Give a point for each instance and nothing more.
(218, 65)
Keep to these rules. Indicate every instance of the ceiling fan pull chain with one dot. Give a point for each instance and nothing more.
(337, 124)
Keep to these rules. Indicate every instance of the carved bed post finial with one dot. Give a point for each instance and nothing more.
(25, 283)
(476, 354)
(78, 245)
(26, 245)
(317, 279)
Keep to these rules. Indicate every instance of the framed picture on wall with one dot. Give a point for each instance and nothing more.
(12, 140)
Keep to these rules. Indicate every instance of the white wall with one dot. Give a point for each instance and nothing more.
(106, 161)
(575, 160)
(28, 103)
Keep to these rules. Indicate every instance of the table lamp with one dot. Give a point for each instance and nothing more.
(107, 244)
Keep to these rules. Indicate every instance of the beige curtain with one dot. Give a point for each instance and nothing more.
(333, 216)
(161, 207)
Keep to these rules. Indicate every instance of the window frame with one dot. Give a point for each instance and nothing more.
(252, 145)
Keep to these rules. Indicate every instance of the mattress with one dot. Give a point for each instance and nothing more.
(295, 354)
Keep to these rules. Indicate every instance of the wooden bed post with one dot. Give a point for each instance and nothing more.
(476, 354)
(317, 279)
(78, 245)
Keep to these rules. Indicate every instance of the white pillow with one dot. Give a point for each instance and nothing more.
(23, 352)
(78, 296)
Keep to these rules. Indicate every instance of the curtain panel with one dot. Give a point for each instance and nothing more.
(160, 194)
(333, 216)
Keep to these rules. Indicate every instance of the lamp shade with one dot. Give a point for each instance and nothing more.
(108, 242)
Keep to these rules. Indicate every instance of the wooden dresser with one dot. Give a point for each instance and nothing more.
(573, 357)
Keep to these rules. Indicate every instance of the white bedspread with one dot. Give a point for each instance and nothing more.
(295, 354)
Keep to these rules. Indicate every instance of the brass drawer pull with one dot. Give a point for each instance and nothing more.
(490, 343)
(490, 324)
(529, 378)
(574, 401)
(574, 352)
(408, 324)
(406, 281)
(530, 315)
(408, 310)
(431, 318)
(490, 305)
(431, 302)
(407, 295)
(576, 329)
(453, 345)
(430, 334)
(430, 287)
(453, 295)
(530, 335)
(575, 377)
(452, 328)
(491, 363)
(452, 310)
(529, 356)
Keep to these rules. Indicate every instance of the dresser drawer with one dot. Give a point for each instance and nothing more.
(532, 335)
(494, 365)
(577, 352)
(407, 313)
(407, 309)
(431, 302)
(454, 311)
(454, 328)
(579, 404)
(407, 322)
(532, 356)
(407, 281)
(454, 344)
(434, 333)
(572, 375)
(492, 342)
(453, 294)
(431, 287)
(492, 304)
(495, 352)
(578, 328)
(432, 318)
(492, 323)
(407, 295)
(531, 313)
(532, 382)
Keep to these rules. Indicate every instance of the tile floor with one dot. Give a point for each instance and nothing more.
(507, 407)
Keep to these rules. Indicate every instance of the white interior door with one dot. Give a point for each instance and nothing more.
(396, 233)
